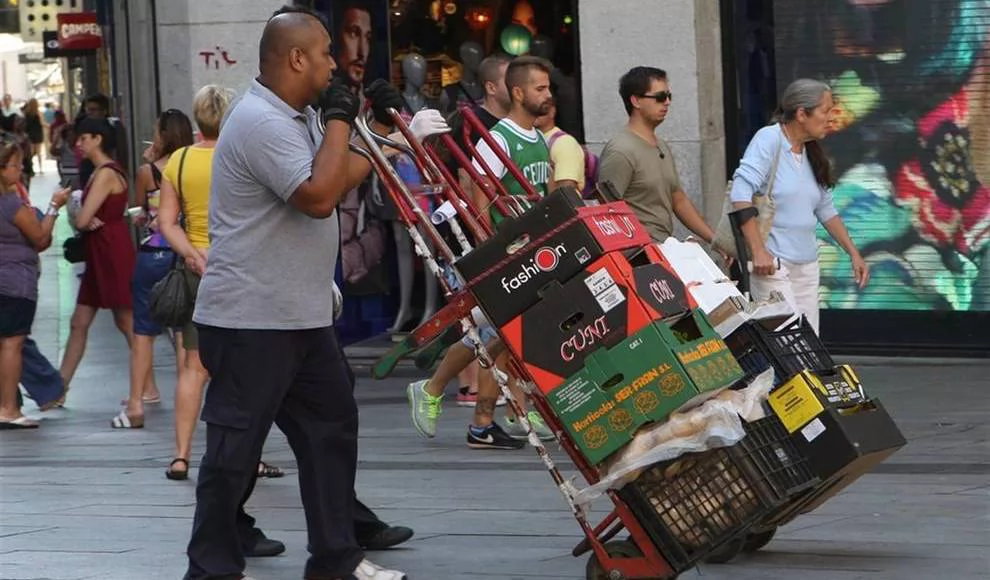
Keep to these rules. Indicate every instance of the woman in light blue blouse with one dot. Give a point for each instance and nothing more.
(787, 261)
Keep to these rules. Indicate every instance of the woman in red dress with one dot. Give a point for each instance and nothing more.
(108, 248)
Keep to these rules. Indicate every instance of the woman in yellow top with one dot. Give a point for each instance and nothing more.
(185, 190)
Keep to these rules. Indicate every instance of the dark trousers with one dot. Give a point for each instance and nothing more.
(298, 380)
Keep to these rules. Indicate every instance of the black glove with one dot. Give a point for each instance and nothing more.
(384, 96)
(339, 102)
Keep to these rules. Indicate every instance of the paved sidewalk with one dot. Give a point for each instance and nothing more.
(80, 501)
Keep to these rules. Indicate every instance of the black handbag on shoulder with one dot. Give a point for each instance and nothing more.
(173, 298)
(73, 250)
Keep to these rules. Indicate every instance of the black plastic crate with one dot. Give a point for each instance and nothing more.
(693, 504)
(788, 472)
(757, 347)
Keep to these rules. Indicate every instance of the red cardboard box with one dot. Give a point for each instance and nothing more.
(553, 241)
(612, 299)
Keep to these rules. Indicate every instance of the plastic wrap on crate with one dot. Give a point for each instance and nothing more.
(715, 423)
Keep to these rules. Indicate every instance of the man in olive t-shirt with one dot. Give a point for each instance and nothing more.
(641, 165)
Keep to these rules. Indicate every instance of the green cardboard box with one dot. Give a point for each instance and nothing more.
(641, 380)
(701, 350)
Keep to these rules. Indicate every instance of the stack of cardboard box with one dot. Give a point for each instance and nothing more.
(598, 318)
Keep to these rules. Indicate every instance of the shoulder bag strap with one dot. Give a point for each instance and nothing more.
(772, 177)
(178, 186)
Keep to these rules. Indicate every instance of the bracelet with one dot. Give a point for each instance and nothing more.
(52, 210)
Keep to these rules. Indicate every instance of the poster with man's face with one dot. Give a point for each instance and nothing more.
(359, 31)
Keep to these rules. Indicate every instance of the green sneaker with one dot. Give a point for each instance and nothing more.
(516, 431)
(424, 408)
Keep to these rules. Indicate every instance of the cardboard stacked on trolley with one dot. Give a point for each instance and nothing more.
(618, 345)
(553, 241)
(715, 293)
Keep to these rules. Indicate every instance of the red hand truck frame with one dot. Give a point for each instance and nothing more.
(638, 559)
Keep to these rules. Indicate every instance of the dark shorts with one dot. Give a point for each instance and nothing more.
(190, 332)
(151, 266)
(16, 316)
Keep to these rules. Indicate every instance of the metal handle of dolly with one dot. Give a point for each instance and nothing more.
(436, 173)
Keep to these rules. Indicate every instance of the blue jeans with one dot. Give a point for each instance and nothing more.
(39, 378)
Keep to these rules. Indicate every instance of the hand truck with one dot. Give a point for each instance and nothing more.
(637, 558)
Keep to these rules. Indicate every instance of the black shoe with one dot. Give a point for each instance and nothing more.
(492, 437)
(386, 538)
(265, 548)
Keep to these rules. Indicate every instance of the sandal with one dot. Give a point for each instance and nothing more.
(145, 400)
(177, 474)
(21, 422)
(269, 471)
(125, 421)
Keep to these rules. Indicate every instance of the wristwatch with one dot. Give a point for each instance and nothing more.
(52, 210)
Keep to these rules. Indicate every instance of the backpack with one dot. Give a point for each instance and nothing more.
(590, 167)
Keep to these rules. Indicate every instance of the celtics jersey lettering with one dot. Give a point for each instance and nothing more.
(530, 154)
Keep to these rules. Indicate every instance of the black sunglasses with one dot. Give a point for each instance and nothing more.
(661, 97)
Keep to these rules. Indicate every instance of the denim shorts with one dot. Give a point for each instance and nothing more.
(152, 265)
(485, 328)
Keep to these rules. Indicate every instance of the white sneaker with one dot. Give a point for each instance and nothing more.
(368, 571)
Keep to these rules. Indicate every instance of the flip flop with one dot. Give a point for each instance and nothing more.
(177, 474)
(21, 422)
(269, 471)
(153, 401)
(125, 421)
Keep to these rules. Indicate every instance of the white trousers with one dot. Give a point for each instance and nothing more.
(797, 282)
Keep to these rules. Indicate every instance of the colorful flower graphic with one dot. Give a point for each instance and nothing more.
(951, 206)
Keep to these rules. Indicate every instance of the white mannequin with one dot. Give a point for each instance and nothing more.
(414, 74)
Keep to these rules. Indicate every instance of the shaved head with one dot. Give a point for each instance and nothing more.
(295, 59)
(290, 27)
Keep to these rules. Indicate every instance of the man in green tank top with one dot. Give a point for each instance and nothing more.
(528, 81)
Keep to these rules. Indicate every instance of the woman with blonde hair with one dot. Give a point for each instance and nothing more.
(185, 190)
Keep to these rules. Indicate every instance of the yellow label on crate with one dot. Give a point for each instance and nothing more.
(795, 403)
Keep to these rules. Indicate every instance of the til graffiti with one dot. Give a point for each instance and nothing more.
(216, 58)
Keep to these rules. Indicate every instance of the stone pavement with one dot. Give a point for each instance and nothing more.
(80, 501)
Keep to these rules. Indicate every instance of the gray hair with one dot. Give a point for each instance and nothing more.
(800, 94)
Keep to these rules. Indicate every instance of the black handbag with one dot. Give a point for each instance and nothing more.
(73, 250)
(173, 298)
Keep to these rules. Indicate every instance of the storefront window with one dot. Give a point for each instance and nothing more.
(372, 37)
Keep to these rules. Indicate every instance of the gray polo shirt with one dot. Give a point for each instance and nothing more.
(270, 266)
